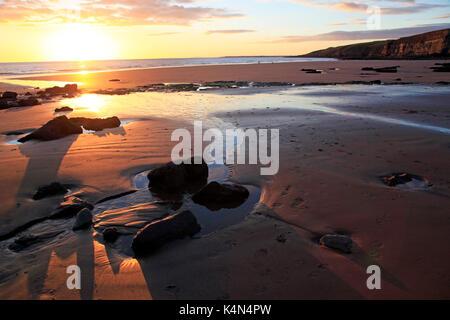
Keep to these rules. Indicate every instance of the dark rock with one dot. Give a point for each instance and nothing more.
(69, 208)
(64, 109)
(217, 196)
(50, 190)
(111, 234)
(397, 178)
(311, 71)
(114, 80)
(96, 124)
(68, 89)
(3, 103)
(178, 178)
(441, 67)
(387, 69)
(57, 128)
(8, 95)
(156, 234)
(27, 240)
(182, 87)
(28, 102)
(281, 238)
(83, 219)
(338, 242)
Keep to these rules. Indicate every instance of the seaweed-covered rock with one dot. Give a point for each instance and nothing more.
(158, 233)
(56, 128)
(217, 196)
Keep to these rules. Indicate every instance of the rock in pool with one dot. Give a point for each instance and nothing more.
(96, 124)
(397, 178)
(217, 196)
(338, 242)
(156, 234)
(111, 234)
(83, 219)
(56, 128)
(50, 190)
(184, 176)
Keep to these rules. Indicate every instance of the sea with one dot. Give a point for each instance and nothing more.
(29, 68)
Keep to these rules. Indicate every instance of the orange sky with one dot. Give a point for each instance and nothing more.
(54, 30)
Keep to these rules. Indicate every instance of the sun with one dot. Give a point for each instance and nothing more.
(80, 42)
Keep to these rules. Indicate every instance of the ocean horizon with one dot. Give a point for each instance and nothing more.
(51, 67)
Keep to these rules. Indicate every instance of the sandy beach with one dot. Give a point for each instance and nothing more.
(336, 141)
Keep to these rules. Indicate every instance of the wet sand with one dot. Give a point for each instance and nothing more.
(331, 157)
(413, 71)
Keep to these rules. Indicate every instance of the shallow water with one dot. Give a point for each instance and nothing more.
(210, 107)
(134, 211)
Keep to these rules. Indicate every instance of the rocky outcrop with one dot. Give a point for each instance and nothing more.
(156, 234)
(8, 95)
(28, 102)
(57, 128)
(67, 90)
(96, 124)
(433, 44)
(61, 127)
(217, 196)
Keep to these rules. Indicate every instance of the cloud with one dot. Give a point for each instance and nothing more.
(364, 35)
(400, 6)
(233, 31)
(160, 34)
(110, 12)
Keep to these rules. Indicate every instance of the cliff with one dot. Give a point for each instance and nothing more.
(433, 44)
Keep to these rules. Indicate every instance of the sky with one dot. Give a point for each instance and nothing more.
(68, 30)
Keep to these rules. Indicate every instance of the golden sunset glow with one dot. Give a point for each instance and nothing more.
(89, 102)
(79, 42)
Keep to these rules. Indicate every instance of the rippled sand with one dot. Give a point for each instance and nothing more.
(335, 142)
